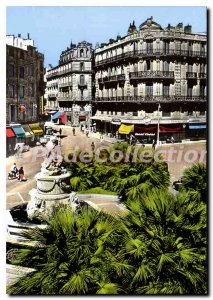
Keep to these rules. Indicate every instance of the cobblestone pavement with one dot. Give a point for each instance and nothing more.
(17, 192)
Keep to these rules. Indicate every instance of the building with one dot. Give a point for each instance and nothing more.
(70, 84)
(154, 79)
(24, 80)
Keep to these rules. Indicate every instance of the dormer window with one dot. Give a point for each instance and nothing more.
(81, 53)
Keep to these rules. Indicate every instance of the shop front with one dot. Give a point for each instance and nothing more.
(29, 135)
(10, 141)
(196, 131)
(37, 131)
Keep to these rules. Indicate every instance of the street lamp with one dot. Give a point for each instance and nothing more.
(158, 140)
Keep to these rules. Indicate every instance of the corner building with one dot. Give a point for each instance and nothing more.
(70, 84)
(152, 75)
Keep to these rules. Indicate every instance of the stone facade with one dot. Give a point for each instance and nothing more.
(152, 65)
(71, 82)
(24, 80)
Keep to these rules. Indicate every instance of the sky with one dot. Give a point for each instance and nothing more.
(54, 27)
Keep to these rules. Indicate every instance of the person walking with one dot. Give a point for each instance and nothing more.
(21, 174)
(93, 146)
(73, 131)
(172, 140)
(154, 144)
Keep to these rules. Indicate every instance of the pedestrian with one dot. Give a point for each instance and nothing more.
(172, 140)
(21, 174)
(60, 131)
(93, 146)
(73, 131)
(153, 144)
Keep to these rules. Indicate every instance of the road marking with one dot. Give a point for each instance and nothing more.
(20, 196)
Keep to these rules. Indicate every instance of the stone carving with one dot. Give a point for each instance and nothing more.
(36, 208)
(74, 201)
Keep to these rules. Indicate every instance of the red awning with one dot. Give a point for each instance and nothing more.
(172, 129)
(82, 118)
(62, 117)
(9, 132)
(145, 129)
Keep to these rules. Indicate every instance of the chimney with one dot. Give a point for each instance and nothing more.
(28, 36)
(19, 35)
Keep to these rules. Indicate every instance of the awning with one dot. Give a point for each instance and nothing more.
(197, 126)
(36, 129)
(62, 117)
(28, 131)
(9, 133)
(126, 129)
(19, 132)
(82, 118)
(170, 129)
(57, 115)
(145, 129)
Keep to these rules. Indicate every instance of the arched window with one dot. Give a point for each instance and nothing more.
(82, 79)
(81, 53)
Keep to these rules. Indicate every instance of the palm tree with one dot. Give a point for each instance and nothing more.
(194, 180)
(72, 256)
(165, 243)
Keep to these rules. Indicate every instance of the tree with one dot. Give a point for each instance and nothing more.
(71, 257)
(165, 243)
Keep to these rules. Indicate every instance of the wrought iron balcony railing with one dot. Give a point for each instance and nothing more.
(119, 77)
(148, 53)
(152, 99)
(191, 75)
(151, 74)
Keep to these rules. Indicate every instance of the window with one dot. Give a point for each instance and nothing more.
(22, 56)
(166, 47)
(32, 90)
(166, 90)
(82, 66)
(202, 90)
(21, 91)
(190, 68)
(149, 90)
(149, 47)
(190, 48)
(148, 65)
(166, 66)
(21, 72)
(82, 80)
(81, 53)
(11, 70)
(11, 91)
(31, 70)
(189, 91)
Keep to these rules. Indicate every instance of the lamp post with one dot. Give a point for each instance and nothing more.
(158, 140)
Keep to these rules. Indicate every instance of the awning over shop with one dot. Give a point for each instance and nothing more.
(36, 129)
(19, 132)
(57, 115)
(9, 133)
(28, 131)
(145, 129)
(170, 129)
(82, 118)
(197, 126)
(126, 129)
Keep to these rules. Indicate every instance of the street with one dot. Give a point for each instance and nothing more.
(18, 192)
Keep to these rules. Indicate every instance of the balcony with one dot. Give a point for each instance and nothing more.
(202, 75)
(191, 75)
(69, 83)
(151, 74)
(115, 78)
(150, 53)
(152, 99)
(56, 73)
(52, 95)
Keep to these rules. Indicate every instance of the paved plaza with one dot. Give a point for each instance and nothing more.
(18, 192)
